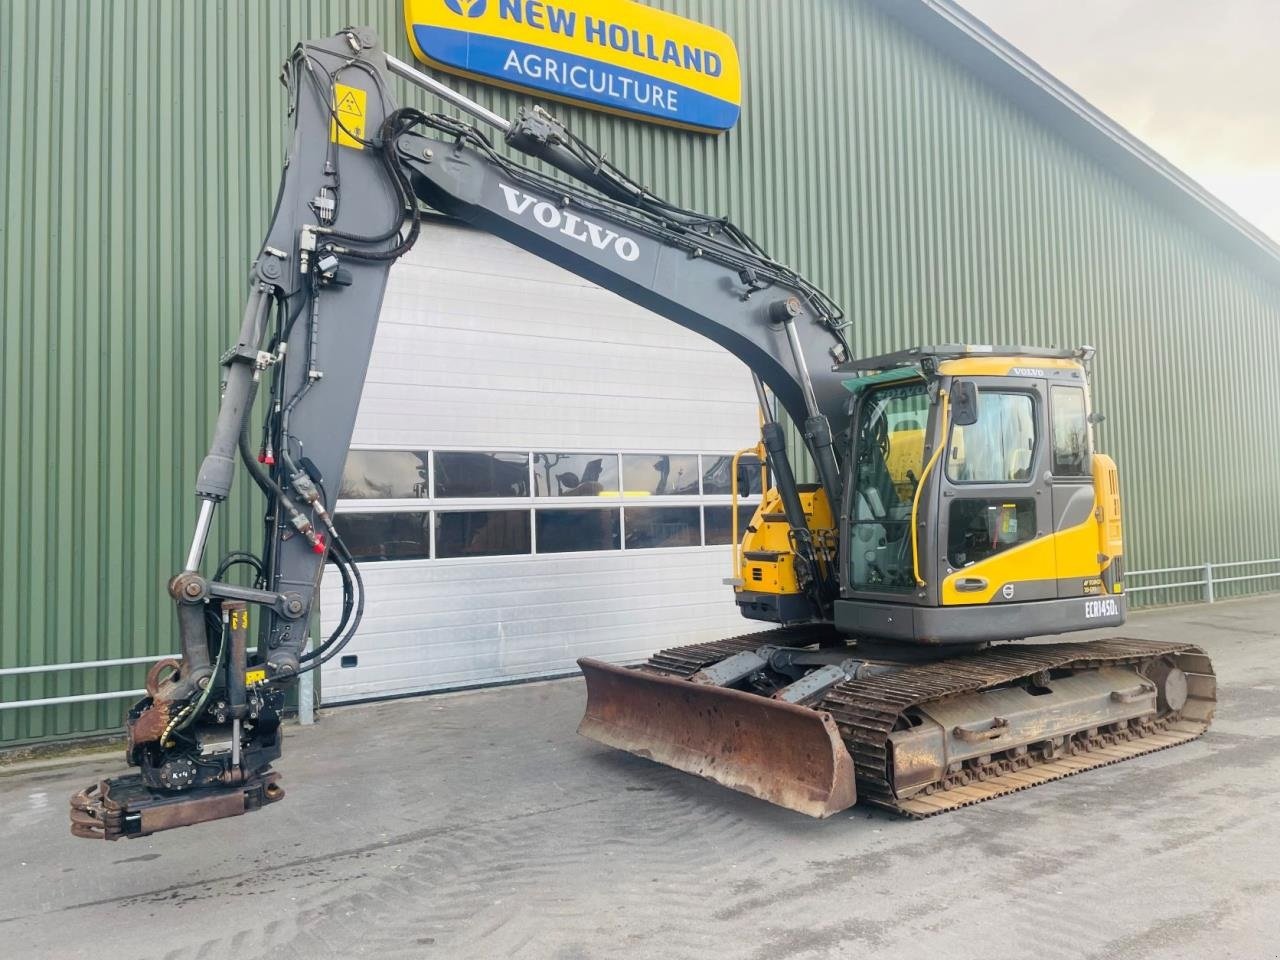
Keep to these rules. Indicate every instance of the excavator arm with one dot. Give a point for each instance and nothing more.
(359, 171)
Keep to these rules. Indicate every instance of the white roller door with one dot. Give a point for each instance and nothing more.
(529, 458)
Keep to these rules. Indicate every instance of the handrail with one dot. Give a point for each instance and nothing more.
(733, 505)
(924, 476)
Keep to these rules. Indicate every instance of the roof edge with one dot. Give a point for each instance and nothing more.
(964, 38)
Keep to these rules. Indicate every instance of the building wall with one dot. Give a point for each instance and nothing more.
(136, 177)
(483, 347)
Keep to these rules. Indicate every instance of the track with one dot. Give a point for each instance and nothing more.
(868, 710)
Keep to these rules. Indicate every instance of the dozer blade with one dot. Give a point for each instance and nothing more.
(789, 755)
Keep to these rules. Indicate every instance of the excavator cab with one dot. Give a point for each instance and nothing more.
(976, 508)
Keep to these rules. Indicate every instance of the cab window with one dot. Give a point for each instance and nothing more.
(1070, 432)
(888, 464)
(1000, 446)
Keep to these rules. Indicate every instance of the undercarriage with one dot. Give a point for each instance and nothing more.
(795, 716)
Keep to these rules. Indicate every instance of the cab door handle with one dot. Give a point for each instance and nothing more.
(971, 584)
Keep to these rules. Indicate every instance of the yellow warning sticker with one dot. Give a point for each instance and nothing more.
(255, 676)
(348, 128)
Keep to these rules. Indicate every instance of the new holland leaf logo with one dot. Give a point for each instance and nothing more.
(467, 8)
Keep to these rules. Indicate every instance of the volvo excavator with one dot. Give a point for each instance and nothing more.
(958, 507)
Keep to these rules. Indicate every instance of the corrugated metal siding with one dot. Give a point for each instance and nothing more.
(482, 345)
(137, 174)
(444, 624)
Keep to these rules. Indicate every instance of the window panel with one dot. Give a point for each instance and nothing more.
(981, 528)
(575, 474)
(573, 531)
(889, 457)
(384, 475)
(660, 475)
(719, 520)
(482, 533)
(649, 527)
(385, 536)
(717, 475)
(466, 474)
(1070, 432)
(1000, 447)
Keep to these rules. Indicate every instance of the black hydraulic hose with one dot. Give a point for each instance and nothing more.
(341, 549)
(238, 557)
(331, 647)
(348, 601)
(395, 124)
(263, 479)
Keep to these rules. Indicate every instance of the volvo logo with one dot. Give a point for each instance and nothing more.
(551, 218)
(467, 8)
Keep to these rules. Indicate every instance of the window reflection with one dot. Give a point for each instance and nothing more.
(571, 531)
(384, 475)
(504, 528)
(717, 475)
(575, 474)
(978, 529)
(1070, 432)
(465, 474)
(482, 533)
(719, 520)
(1000, 446)
(385, 536)
(660, 475)
(662, 527)
(889, 462)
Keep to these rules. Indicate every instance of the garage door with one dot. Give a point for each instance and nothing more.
(539, 472)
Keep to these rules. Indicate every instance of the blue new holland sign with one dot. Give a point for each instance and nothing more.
(616, 55)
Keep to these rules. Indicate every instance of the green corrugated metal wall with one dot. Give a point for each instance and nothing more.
(140, 160)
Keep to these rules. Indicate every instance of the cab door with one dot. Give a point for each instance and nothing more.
(995, 503)
(1070, 475)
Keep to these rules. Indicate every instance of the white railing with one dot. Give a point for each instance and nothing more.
(1208, 577)
(306, 685)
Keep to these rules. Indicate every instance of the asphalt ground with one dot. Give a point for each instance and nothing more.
(479, 825)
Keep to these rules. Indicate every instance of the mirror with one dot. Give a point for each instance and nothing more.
(964, 403)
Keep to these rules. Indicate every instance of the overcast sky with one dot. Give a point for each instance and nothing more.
(1198, 80)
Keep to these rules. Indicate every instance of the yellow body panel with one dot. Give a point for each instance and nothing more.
(1106, 493)
(1082, 551)
(1067, 553)
(771, 536)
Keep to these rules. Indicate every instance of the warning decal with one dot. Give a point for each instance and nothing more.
(348, 127)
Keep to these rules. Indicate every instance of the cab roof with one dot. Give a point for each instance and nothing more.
(919, 356)
(964, 360)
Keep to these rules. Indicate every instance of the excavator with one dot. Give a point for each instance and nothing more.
(958, 504)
